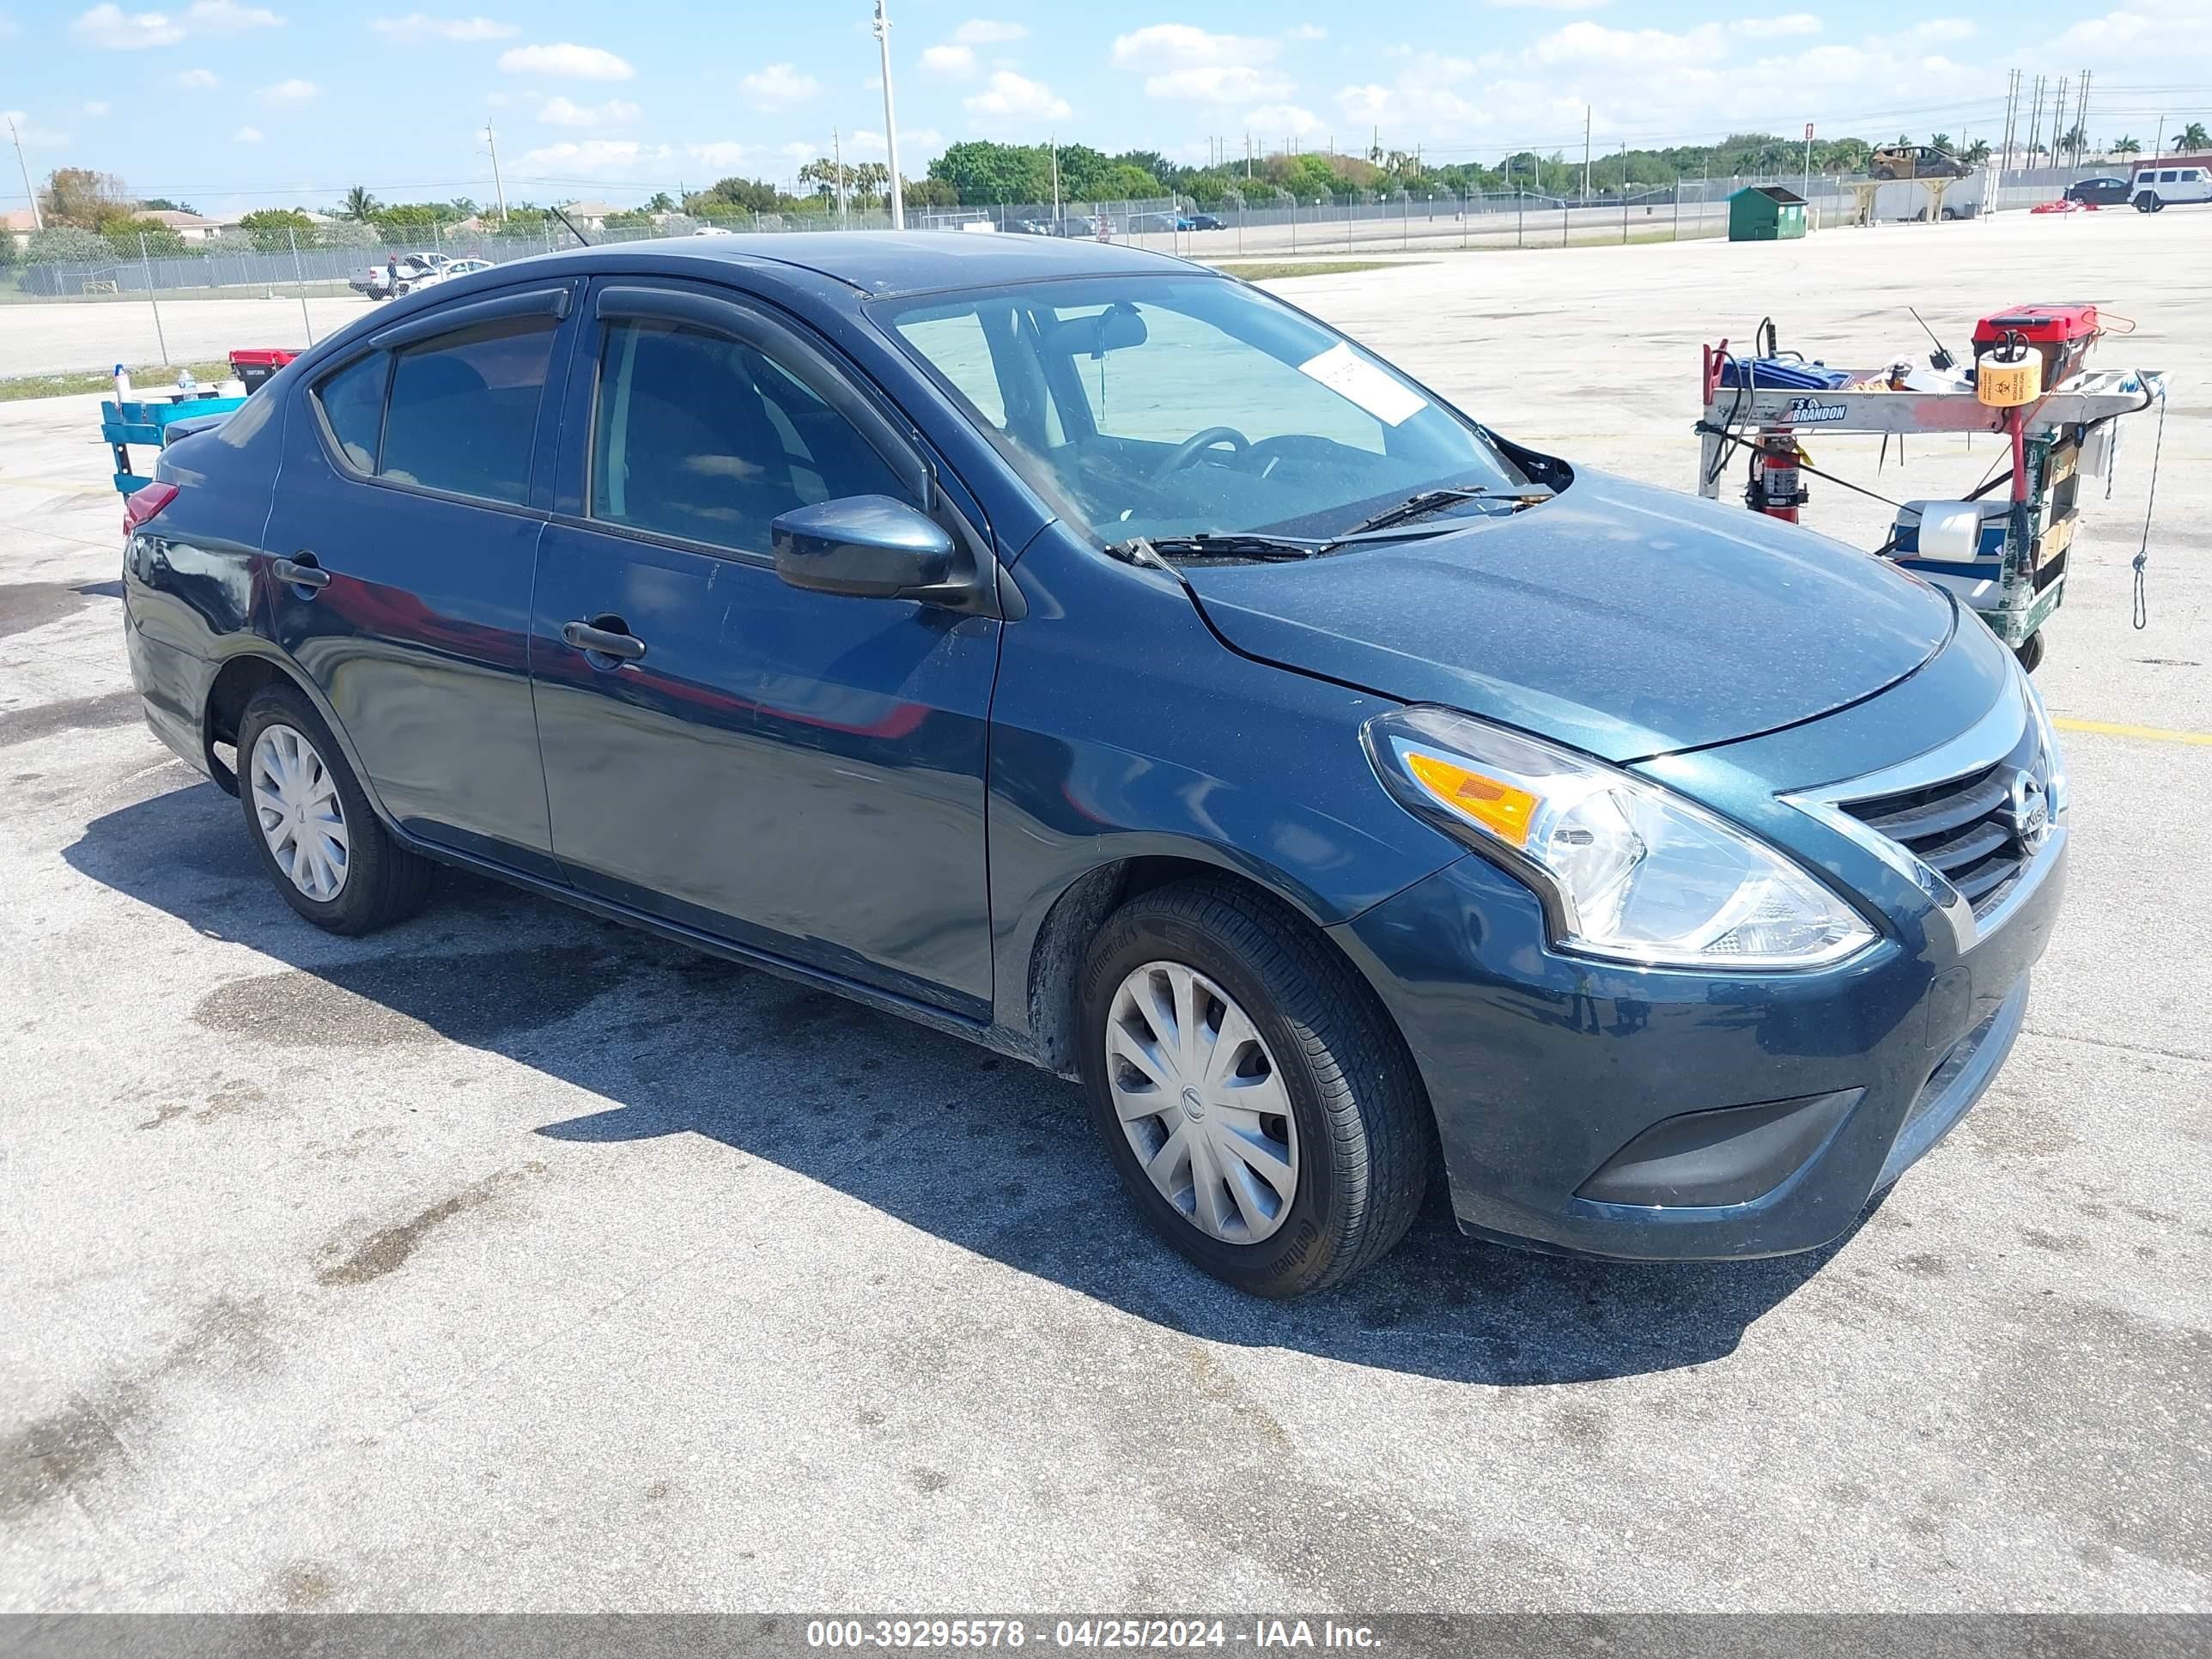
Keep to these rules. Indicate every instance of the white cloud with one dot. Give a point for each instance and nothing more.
(566, 61)
(985, 31)
(593, 158)
(1768, 28)
(1187, 64)
(558, 112)
(246, 136)
(227, 18)
(1015, 97)
(292, 91)
(96, 107)
(110, 28)
(1274, 121)
(726, 154)
(1595, 43)
(954, 63)
(198, 80)
(778, 86)
(418, 26)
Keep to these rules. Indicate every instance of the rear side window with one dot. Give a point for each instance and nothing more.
(700, 437)
(2168, 177)
(352, 404)
(463, 409)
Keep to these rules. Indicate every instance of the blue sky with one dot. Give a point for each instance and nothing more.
(231, 103)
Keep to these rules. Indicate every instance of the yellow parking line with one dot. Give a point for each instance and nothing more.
(2153, 733)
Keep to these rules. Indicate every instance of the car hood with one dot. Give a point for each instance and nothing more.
(1625, 620)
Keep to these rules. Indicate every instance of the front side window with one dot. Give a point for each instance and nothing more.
(698, 436)
(462, 414)
(1174, 405)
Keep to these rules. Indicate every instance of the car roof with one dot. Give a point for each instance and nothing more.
(884, 262)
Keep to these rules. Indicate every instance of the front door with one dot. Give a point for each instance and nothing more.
(403, 538)
(799, 773)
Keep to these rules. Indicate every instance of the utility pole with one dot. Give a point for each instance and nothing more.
(890, 120)
(1247, 158)
(497, 188)
(2035, 121)
(1586, 135)
(2011, 112)
(1807, 192)
(837, 161)
(38, 220)
(2081, 119)
(1054, 141)
(2058, 117)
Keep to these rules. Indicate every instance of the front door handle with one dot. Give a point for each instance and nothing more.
(603, 637)
(301, 573)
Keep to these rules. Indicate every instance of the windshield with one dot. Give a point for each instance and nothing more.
(1174, 406)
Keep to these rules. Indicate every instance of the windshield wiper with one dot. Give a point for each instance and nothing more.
(1234, 544)
(1435, 501)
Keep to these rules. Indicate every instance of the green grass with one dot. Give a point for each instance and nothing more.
(16, 388)
(1255, 271)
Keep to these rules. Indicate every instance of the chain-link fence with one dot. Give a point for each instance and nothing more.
(319, 276)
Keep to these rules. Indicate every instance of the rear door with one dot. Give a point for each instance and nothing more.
(408, 507)
(800, 773)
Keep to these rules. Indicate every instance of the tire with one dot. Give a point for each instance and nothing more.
(2030, 651)
(1357, 1131)
(377, 881)
(2148, 202)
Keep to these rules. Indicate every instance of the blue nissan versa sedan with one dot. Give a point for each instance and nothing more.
(1093, 655)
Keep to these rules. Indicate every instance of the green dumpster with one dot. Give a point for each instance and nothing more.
(1765, 213)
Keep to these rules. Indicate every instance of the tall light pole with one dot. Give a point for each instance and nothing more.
(1586, 130)
(891, 119)
(497, 188)
(38, 221)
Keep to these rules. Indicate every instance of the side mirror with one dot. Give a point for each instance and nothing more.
(867, 546)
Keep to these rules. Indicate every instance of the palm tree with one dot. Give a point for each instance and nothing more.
(1942, 140)
(2124, 146)
(2192, 136)
(1975, 153)
(359, 205)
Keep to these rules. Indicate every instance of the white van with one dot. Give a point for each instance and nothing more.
(2155, 186)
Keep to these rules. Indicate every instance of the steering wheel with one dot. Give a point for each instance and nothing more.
(1198, 443)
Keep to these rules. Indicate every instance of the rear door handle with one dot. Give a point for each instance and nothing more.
(303, 572)
(595, 641)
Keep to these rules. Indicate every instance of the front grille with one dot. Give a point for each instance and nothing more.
(1961, 828)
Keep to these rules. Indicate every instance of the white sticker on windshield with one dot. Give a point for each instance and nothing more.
(1344, 372)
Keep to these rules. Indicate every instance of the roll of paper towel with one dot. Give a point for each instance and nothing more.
(1950, 530)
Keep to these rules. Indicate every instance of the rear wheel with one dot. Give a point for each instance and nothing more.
(2030, 651)
(312, 826)
(2148, 202)
(1253, 1094)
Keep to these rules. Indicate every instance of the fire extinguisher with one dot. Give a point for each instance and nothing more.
(1777, 486)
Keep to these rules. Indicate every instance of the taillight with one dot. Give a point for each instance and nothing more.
(143, 504)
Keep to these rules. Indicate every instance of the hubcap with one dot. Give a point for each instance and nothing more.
(295, 801)
(1200, 1098)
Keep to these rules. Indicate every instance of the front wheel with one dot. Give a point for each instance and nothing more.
(2148, 202)
(2030, 651)
(312, 824)
(1260, 1106)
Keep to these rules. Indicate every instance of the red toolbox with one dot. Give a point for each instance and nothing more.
(2062, 334)
(255, 367)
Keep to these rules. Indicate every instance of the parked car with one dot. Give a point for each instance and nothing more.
(1030, 226)
(2104, 191)
(1308, 770)
(1154, 221)
(1204, 221)
(397, 274)
(2154, 187)
(451, 268)
(1915, 161)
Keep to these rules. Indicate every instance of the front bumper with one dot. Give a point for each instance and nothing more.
(1551, 1076)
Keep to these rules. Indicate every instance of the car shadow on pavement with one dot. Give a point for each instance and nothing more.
(980, 1150)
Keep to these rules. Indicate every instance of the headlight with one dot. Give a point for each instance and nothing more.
(1625, 869)
(2054, 764)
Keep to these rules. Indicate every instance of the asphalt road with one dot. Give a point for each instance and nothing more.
(511, 1260)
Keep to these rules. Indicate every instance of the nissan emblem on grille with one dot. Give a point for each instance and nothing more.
(2031, 811)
